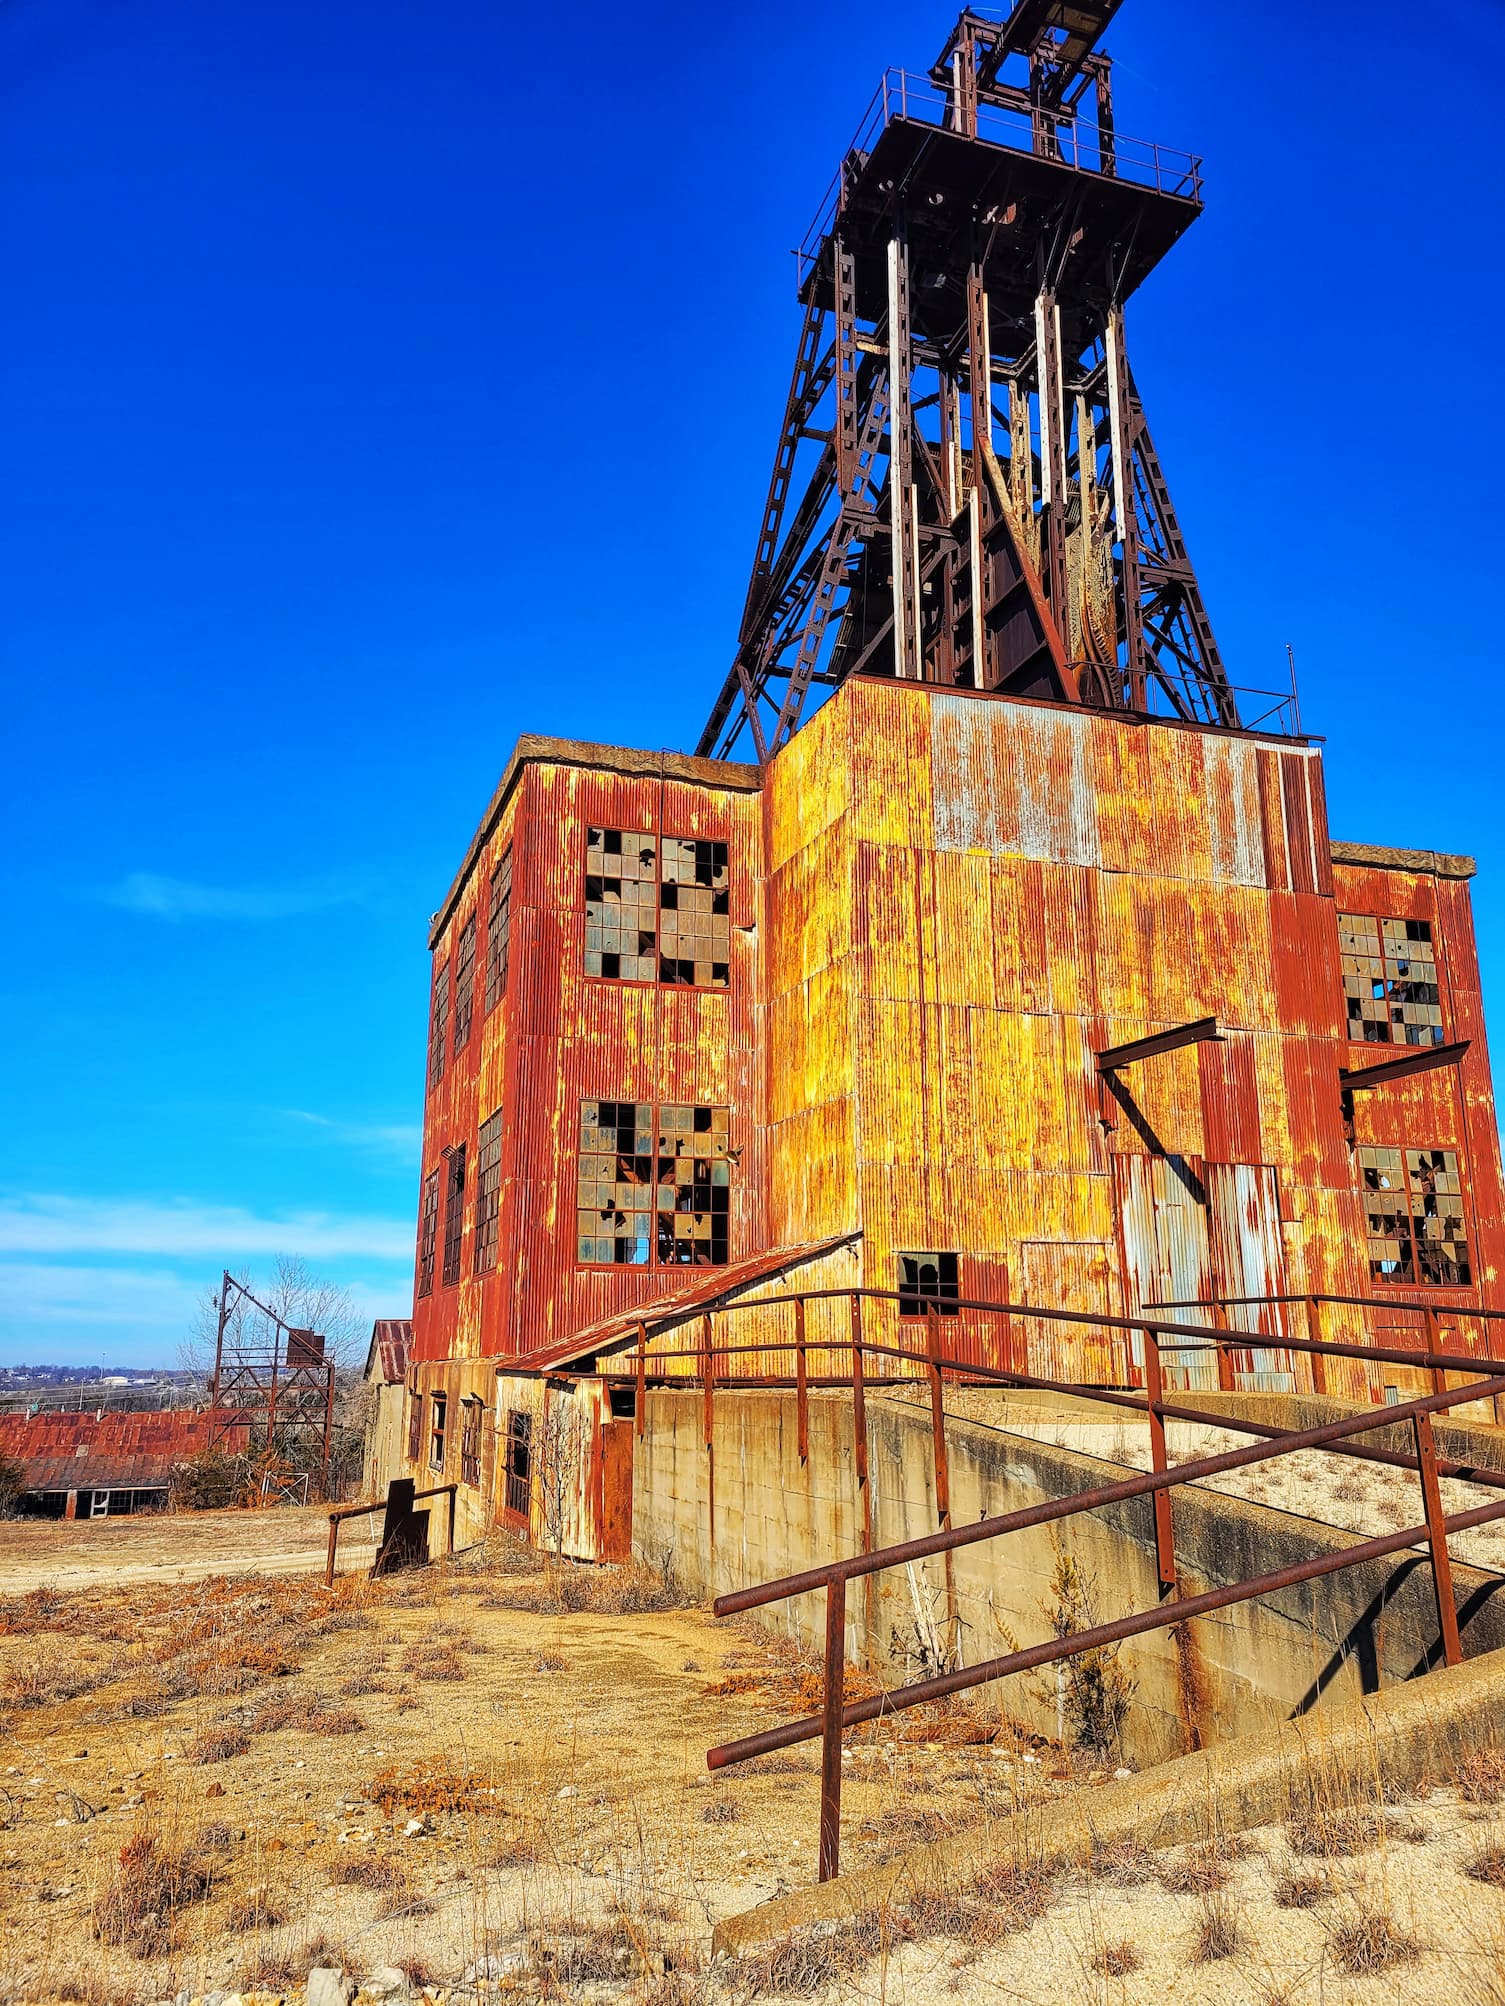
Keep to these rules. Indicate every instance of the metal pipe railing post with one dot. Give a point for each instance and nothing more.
(334, 1534)
(1314, 1336)
(830, 1747)
(1165, 1539)
(1225, 1356)
(801, 1381)
(1437, 1539)
(859, 1423)
(1432, 1341)
(938, 1417)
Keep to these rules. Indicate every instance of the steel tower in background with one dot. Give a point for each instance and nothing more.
(965, 490)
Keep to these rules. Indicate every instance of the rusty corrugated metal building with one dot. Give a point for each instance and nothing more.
(840, 1009)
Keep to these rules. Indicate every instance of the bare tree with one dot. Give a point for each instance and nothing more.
(557, 1464)
(293, 1292)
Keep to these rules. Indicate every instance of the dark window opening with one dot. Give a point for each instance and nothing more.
(470, 1442)
(465, 983)
(488, 1193)
(1390, 984)
(928, 1282)
(438, 1406)
(653, 1191)
(415, 1427)
(454, 1212)
(518, 1482)
(657, 910)
(428, 1232)
(623, 1402)
(438, 1025)
(499, 930)
(1414, 1206)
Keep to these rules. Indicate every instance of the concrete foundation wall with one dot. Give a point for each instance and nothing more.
(749, 1510)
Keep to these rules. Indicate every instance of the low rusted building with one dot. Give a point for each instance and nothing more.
(100, 1464)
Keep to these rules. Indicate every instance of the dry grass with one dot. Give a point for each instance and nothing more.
(1369, 1942)
(1488, 1866)
(561, 1588)
(334, 1720)
(257, 1908)
(1298, 1890)
(1126, 1863)
(1480, 1776)
(1120, 1960)
(218, 1743)
(425, 1787)
(1203, 1868)
(369, 1870)
(153, 1883)
(720, 1811)
(1337, 1833)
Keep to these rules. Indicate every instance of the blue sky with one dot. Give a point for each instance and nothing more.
(322, 323)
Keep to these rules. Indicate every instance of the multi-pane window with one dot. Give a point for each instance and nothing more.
(470, 1442)
(428, 1232)
(518, 1480)
(454, 1212)
(653, 1189)
(927, 1283)
(1414, 1205)
(465, 982)
(657, 909)
(1390, 980)
(499, 929)
(488, 1192)
(438, 1025)
(415, 1427)
(438, 1407)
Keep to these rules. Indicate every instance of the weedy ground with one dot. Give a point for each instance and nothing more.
(214, 1785)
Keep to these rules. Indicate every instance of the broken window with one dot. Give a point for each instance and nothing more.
(488, 1192)
(653, 1190)
(454, 1212)
(928, 1282)
(621, 905)
(438, 1406)
(415, 1427)
(518, 1468)
(470, 1442)
(1390, 980)
(438, 1025)
(694, 943)
(465, 982)
(499, 929)
(1414, 1206)
(657, 911)
(428, 1232)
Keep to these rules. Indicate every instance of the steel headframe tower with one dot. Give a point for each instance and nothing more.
(271, 1373)
(981, 505)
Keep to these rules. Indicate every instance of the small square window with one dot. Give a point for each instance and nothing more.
(927, 1283)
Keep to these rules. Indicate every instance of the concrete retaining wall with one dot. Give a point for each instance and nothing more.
(750, 1510)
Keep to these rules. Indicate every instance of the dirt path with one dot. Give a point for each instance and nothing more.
(188, 1546)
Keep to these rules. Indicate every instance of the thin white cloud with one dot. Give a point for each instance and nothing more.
(46, 1224)
(402, 1139)
(175, 899)
(34, 1293)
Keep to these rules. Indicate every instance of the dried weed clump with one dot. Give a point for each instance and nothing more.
(152, 1884)
(1480, 1776)
(1370, 1942)
(1335, 1834)
(1121, 1960)
(561, 1589)
(1298, 1890)
(218, 1743)
(257, 1908)
(427, 1786)
(1126, 1863)
(1488, 1866)
(1206, 1867)
(435, 1664)
(369, 1870)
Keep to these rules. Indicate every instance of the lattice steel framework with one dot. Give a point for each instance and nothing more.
(272, 1374)
(965, 489)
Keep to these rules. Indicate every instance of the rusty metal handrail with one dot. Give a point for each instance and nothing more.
(338, 1517)
(836, 1714)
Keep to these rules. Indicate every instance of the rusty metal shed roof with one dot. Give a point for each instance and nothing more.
(122, 1451)
(1380, 857)
(391, 1345)
(711, 1287)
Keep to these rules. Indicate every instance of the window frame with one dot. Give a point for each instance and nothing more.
(438, 1431)
(657, 980)
(471, 1409)
(1410, 1238)
(453, 1239)
(498, 931)
(1347, 922)
(487, 1227)
(517, 1435)
(914, 1303)
(462, 1017)
(655, 1264)
(438, 1024)
(415, 1426)
(428, 1233)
